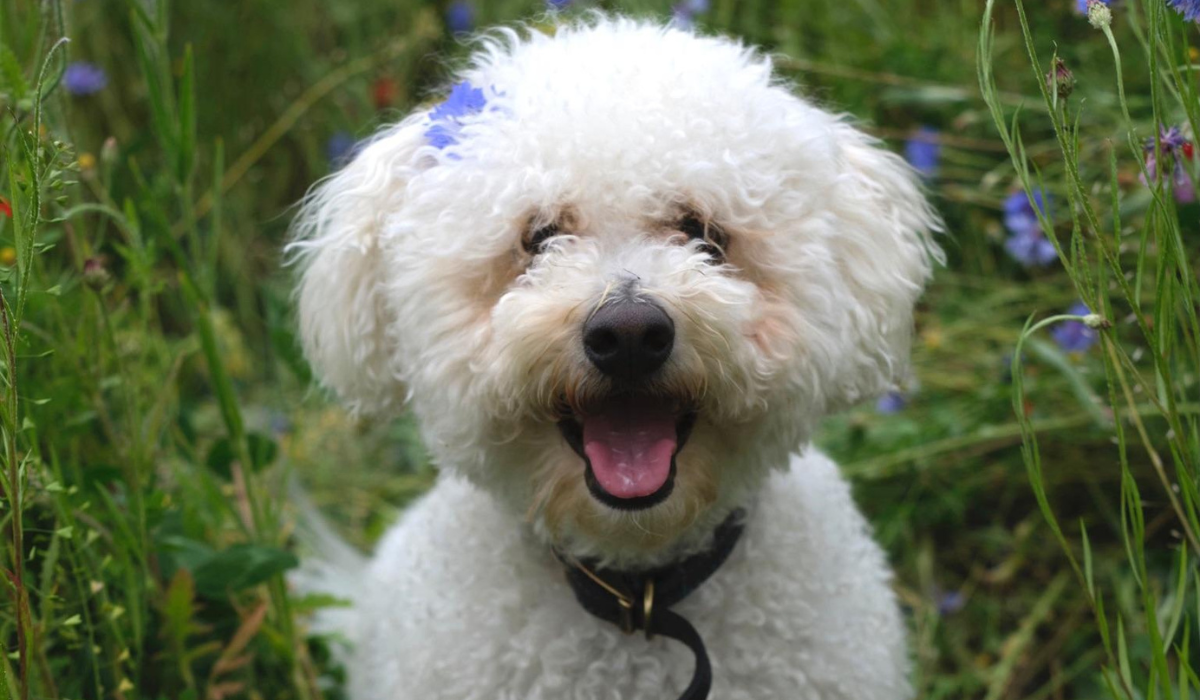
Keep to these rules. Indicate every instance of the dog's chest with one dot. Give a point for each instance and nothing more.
(533, 641)
(457, 605)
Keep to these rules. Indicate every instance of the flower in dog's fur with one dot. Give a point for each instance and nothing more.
(923, 151)
(1027, 244)
(1098, 14)
(891, 402)
(83, 78)
(460, 17)
(1190, 9)
(464, 100)
(1176, 149)
(1075, 336)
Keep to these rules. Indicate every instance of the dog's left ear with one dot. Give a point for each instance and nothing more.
(340, 247)
(885, 252)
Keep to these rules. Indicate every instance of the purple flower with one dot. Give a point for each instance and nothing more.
(280, 424)
(1074, 336)
(83, 78)
(891, 402)
(683, 15)
(1026, 242)
(1019, 213)
(1176, 148)
(460, 17)
(1082, 5)
(558, 4)
(1171, 138)
(923, 151)
(1181, 185)
(1190, 9)
(340, 148)
(464, 100)
(950, 602)
(1031, 248)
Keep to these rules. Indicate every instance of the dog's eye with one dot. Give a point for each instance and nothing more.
(697, 228)
(535, 240)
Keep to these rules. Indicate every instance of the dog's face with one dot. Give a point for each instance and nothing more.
(617, 278)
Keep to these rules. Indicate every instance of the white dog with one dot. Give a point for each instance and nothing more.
(617, 277)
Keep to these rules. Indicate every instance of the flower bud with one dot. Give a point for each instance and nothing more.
(1099, 16)
(95, 276)
(1060, 79)
(108, 152)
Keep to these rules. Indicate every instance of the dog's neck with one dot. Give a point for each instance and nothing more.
(697, 538)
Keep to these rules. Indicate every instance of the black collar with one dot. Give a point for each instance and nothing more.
(641, 599)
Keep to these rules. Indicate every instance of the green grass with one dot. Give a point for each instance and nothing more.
(1040, 508)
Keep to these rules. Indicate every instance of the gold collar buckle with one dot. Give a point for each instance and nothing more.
(623, 600)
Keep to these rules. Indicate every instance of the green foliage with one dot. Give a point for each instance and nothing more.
(154, 405)
(1112, 278)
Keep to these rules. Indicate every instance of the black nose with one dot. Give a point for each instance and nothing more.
(628, 339)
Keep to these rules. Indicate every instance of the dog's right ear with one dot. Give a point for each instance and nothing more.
(340, 247)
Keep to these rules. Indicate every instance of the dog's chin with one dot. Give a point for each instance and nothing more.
(627, 445)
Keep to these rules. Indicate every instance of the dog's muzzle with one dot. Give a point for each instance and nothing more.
(628, 440)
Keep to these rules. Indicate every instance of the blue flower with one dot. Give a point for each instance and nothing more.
(1170, 138)
(950, 602)
(1176, 148)
(923, 151)
(1019, 213)
(463, 101)
(683, 15)
(1031, 249)
(83, 78)
(340, 148)
(460, 17)
(558, 4)
(1074, 336)
(280, 424)
(891, 402)
(1190, 9)
(1082, 5)
(1026, 242)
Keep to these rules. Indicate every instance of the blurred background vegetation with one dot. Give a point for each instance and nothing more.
(154, 405)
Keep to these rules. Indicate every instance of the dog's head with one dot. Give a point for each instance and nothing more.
(617, 277)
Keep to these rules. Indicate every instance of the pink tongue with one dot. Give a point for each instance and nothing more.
(629, 442)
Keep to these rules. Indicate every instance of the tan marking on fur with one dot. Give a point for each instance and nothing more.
(770, 332)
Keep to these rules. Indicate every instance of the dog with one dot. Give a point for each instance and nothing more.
(617, 276)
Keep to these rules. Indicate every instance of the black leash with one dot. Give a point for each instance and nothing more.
(641, 600)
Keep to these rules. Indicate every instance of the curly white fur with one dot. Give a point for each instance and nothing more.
(416, 291)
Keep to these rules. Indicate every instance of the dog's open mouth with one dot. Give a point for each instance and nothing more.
(628, 443)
